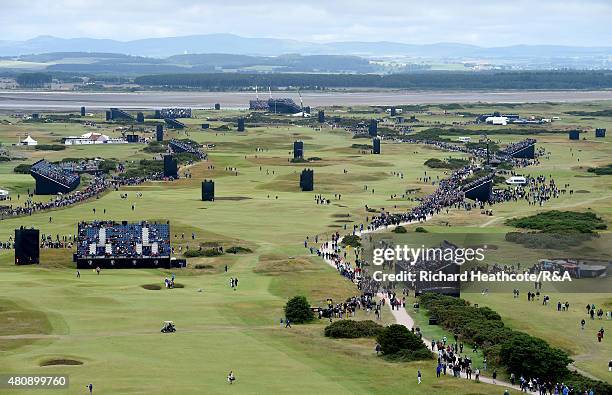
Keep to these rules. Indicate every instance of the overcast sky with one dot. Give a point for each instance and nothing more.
(480, 22)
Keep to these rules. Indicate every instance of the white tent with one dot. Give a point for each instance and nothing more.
(29, 141)
(4, 194)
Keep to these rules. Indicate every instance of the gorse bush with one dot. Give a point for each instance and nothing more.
(521, 353)
(556, 221)
(209, 252)
(351, 240)
(350, 329)
(396, 338)
(297, 310)
(238, 250)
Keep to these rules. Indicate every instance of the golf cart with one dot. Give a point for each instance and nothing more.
(168, 327)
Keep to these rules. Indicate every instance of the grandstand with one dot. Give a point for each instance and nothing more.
(174, 124)
(480, 189)
(523, 149)
(116, 114)
(276, 106)
(123, 245)
(173, 113)
(51, 179)
(178, 146)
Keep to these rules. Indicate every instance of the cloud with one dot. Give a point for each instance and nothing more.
(480, 22)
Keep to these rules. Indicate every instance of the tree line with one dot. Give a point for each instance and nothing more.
(424, 80)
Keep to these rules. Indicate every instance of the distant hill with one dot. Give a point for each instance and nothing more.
(121, 64)
(228, 43)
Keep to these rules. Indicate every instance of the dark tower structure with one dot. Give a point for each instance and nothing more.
(574, 135)
(373, 129)
(393, 112)
(376, 145)
(208, 191)
(82, 111)
(217, 106)
(170, 166)
(307, 180)
(241, 124)
(27, 247)
(108, 115)
(158, 114)
(159, 133)
(139, 117)
(298, 150)
(321, 116)
(600, 132)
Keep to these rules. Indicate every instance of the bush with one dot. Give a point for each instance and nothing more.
(351, 240)
(349, 329)
(50, 147)
(399, 229)
(297, 310)
(154, 147)
(420, 229)
(238, 250)
(202, 253)
(22, 169)
(556, 221)
(519, 352)
(451, 163)
(532, 357)
(602, 170)
(396, 338)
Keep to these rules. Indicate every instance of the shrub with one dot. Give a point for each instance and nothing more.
(351, 240)
(532, 357)
(602, 170)
(420, 229)
(22, 169)
(349, 329)
(519, 352)
(451, 163)
(399, 229)
(50, 147)
(154, 147)
(238, 250)
(298, 310)
(556, 221)
(210, 252)
(396, 338)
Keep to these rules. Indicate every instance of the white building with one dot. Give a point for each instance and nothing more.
(497, 120)
(92, 138)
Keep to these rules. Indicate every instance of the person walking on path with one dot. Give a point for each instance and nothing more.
(419, 376)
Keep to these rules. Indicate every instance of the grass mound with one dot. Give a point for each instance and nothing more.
(61, 362)
(18, 320)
